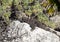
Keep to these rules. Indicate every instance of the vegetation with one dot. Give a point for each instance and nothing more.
(43, 10)
(42, 18)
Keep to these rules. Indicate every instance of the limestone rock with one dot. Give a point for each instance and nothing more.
(21, 32)
(56, 19)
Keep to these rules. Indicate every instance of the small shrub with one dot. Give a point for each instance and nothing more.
(42, 18)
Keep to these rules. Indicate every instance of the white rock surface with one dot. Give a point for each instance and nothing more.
(56, 19)
(21, 32)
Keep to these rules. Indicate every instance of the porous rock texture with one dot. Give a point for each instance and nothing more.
(56, 19)
(21, 32)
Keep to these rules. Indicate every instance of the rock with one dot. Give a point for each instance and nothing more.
(21, 32)
(56, 19)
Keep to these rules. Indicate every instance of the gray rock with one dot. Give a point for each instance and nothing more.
(56, 19)
(21, 32)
